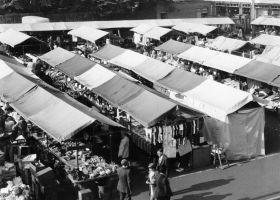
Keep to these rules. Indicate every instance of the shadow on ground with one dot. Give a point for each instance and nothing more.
(205, 186)
(204, 196)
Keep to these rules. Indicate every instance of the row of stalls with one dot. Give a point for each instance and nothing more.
(148, 35)
(90, 35)
(153, 120)
(214, 99)
(72, 143)
(239, 72)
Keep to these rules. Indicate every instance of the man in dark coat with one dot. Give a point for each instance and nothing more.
(162, 187)
(124, 183)
(162, 162)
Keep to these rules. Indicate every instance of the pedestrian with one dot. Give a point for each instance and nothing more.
(162, 162)
(151, 180)
(162, 187)
(124, 183)
(124, 147)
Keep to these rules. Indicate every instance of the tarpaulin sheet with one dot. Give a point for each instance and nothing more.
(226, 62)
(57, 56)
(270, 55)
(153, 69)
(13, 38)
(118, 90)
(214, 99)
(14, 86)
(267, 40)
(87, 33)
(5, 70)
(157, 32)
(95, 76)
(267, 21)
(181, 81)
(111, 24)
(226, 44)
(142, 28)
(198, 54)
(260, 71)
(129, 59)
(194, 28)
(75, 66)
(54, 116)
(173, 47)
(242, 137)
(108, 52)
(148, 107)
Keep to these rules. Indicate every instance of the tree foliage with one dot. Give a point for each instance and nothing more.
(97, 7)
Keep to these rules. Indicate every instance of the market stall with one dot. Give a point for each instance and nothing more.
(61, 117)
(173, 47)
(225, 44)
(144, 110)
(21, 43)
(90, 34)
(189, 28)
(266, 40)
(62, 26)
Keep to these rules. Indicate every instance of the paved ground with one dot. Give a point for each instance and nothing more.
(255, 180)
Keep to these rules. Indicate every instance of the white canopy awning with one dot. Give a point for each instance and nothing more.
(13, 38)
(222, 43)
(142, 28)
(88, 33)
(267, 20)
(157, 32)
(266, 40)
(194, 28)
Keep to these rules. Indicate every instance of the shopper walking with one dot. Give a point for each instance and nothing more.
(162, 162)
(151, 180)
(124, 183)
(162, 187)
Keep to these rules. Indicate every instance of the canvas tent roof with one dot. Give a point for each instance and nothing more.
(152, 69)
(54, 112)
(157, 32)
(75, 66)
(181, 81)
(266, 20)
(214, 59)
(14, 38)
(194, 28)
(267, 40)
(194, 94)
(88, 33)
(56, 26)
(227, 62)
(270, 55)
(173, 47)
(108, 52)
(222, 43)
(117, 90)
(147, 107)
(57, 56)
(198, 54)
(142, 28)
(261, 71)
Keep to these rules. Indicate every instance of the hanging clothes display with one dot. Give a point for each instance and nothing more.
(169, 143)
